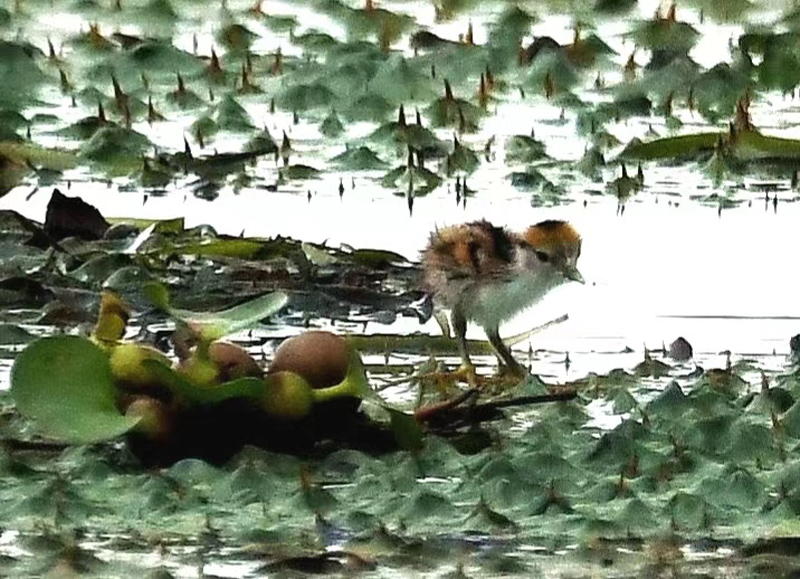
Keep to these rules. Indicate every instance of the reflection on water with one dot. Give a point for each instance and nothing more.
(730, 275)
(668, 267)
(667, 256)
(658, 260)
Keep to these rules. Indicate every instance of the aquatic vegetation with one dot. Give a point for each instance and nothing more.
(177, 98)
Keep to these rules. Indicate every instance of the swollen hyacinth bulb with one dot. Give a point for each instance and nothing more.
(155, 420)
(287, 396)
(320, 357)
(128, 367)
(112, 319)
(199, 369)
(327, 362)
(218, 362)
(353, 385)
(233, 361)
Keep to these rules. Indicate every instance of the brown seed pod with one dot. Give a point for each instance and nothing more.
(322, 358)
(223, 362)
(155, 418)
(233, 361)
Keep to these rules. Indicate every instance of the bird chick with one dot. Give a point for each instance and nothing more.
(487, 274)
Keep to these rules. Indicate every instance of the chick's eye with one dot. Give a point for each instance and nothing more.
(542, 256)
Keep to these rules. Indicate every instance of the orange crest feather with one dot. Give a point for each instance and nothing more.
(552, 233)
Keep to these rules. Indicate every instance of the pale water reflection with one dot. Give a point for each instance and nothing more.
(723, 281)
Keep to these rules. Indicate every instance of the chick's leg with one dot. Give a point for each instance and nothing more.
(507, 362)
(460, 330)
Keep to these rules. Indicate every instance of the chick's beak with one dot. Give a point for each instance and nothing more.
(571, 273)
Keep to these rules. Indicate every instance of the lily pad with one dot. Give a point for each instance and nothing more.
(369, 107)
(236, 37)
(232, 116)
(298, 172)
(64, 384)
(331, 126)
(358, 159)
(303, 97)
(400, 81)
(524, 149)
(117, 148)
(416, 179)
(664, 34)
(462, 159)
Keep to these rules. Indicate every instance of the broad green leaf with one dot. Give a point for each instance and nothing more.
(417, 180)
(19, 72)
(400, 81)
(331, 126)
(175, 225)
(377, 21)
(222, 247)
(377, 257)
(663, 34)
(461, 160)
(406, 431)
(39, 156)
(158, 294)
(369, 107)
(236, 37)
(215, 325)
(13, 334)
(358, 159)
(670, 403)
(681, 147)
(313, 41)
(116, 148)
(128, 279)
(303, 97)
(318, 255)
(753, 144)
(524, 149)
(231, 116)
(511, 26)
(454, 112)
(298, 172)
(550, 69)
(252, 388)
(263, 143)
(64, 384)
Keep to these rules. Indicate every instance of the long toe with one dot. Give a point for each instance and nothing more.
(516, 371)
(466, 372)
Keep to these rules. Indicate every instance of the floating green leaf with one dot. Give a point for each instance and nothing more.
(683, 146)
(369, 107)
(236, 37)
(303, 97)
(358, 159)
(180, 386)
(215, 325)
(331, 126)
(664, 34)
(298, 172)
(64, 384)
(117, 148)
(416, 179)
(13, 334)
(524, 149)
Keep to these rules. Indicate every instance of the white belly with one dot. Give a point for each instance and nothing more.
(497, 303)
